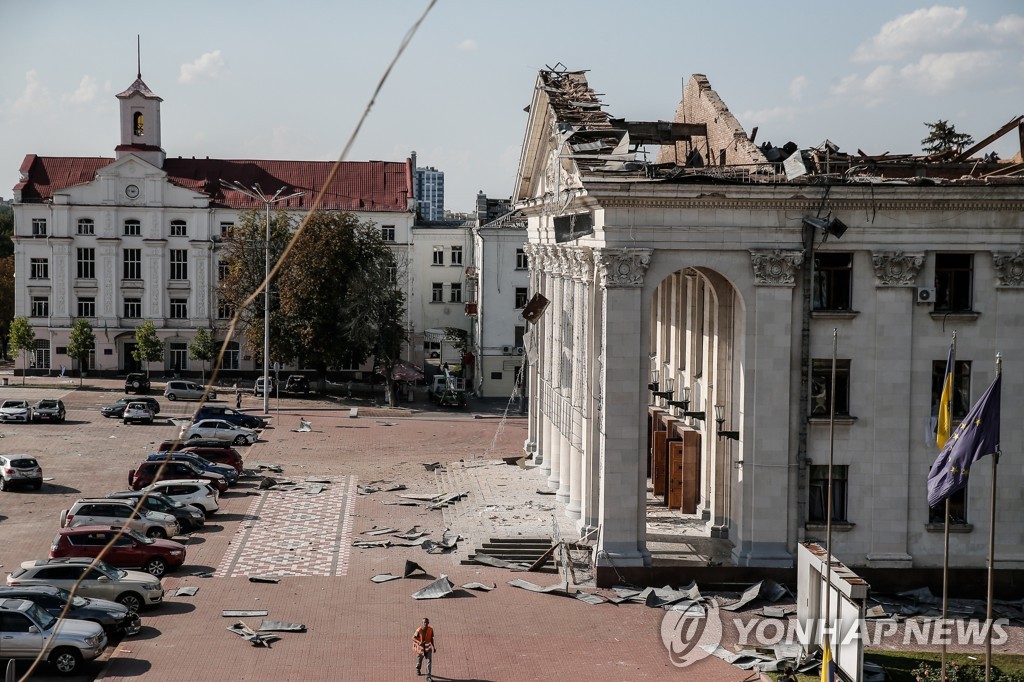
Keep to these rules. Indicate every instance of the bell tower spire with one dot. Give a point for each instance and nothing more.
(140, 118)
(138, 56)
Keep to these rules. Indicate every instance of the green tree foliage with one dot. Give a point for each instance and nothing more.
(83, 342)
(6, 231)
(203, 348)
(147, 346)
(943, 137)
(22, 340)
(6, 299)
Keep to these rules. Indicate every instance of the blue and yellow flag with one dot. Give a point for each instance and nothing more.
(943, 427)
(828, 666)
(976, 437)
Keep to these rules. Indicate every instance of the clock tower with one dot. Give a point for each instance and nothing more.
(140, 123)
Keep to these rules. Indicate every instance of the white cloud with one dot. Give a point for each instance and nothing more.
(210, 65)
(760, 117)
(923, 29)
(797, 87)
(467, 45)
(35, 96)
(937, 73)
(86, 91)
(1009, 29)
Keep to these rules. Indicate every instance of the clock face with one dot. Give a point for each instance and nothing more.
(131, 191)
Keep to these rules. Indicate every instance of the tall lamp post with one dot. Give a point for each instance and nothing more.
(257, 193)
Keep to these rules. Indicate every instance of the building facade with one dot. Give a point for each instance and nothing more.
(714, 284)
(429, 188)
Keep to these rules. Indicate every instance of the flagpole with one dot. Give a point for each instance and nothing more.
(945, 532)
(828, 513)
(991, 549)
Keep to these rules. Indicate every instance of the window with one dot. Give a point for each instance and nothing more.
(456, 255)
(178, 228)
(821, 385)
(86, 306)
(954, 274)
(232, 354)
(957, 509)
(816, 506)
(961, 388)
(496, 376)
(521, 297)
(519, 335)
(40, 268)
(138, 124)
(132, 264)
(833, 277)
(223, 270)
(39, 227)
(87, 263)
(456, 293)
(179, 263)
(522, 262)
(86, 226)
(133, 308)
(387, 233)
(392, 274)
(437, 292)
(226, 227)
(225, 311)
(177, 356)
(438, 255)
(132, 228)
(179, 308)
(40, 306)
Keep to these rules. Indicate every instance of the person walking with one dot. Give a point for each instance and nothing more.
(424, 646)
(238, 398)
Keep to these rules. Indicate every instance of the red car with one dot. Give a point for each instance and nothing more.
(130, 550)
(149, 472)
(228, 456)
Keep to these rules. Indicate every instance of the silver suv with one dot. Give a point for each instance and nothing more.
(107, 512)
(20, 470)
(26, 630)
(134, 589)
(186, 390)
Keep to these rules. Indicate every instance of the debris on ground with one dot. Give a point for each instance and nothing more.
(385, 577)
(182, 592)
(488, 560)
(421, 497)
(263, 579)
(242, 613)
(432, 466)
(281, 626)
(251, 635)
(379, 487)
(562, 587)
(379, 531)
(516, 460)
(442, 587)
(480, 587)
(370, 544)
(546, 491)
(276, 468)
(412, 567)
(312, 479)
(448, 499)
(266, 483)
(412, 534)
(449, 541)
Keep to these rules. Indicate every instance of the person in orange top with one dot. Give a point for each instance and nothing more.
(424, 646)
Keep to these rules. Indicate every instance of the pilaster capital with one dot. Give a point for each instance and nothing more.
(895, 268)
(622, 268)
(565, 261)
(582, 265)
(775, 267)
(1009, 268)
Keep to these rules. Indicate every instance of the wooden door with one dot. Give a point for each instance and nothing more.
(675, 473)
(690, 463)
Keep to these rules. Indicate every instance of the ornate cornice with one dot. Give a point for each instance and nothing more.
(1009, 268)
(806, 203)
(582, 265)
(775, 267)
(622, 268)
(895, 268)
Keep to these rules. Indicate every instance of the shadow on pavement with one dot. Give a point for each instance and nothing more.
(128, 667)
(170, 608)
(147, 632)
(57, 489)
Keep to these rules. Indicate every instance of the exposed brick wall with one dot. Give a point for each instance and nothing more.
(701, 104)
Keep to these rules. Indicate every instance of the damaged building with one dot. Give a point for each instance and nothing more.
(686, 346)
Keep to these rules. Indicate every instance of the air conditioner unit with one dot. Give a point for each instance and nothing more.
(519, 350)
(507, 350)
(926, 294)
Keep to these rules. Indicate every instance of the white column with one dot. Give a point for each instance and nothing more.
(565, 352)
(533, 346)
(581, 266)
(552, 447)
(591, 493)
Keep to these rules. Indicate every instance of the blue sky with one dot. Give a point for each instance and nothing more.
(258, 79)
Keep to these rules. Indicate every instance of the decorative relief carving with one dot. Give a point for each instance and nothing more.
(1009, 268)
(775, 267)
(582, 265)
(622, 268)
(895, 268)
(565, 261)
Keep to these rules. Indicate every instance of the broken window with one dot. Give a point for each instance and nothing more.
(821, 389)
(521, 297)
(954, 282)
(957, 509)
(818, 489)
(438, 255)
(833, 279)
(437, 292)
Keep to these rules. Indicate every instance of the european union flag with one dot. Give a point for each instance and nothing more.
(977, 436)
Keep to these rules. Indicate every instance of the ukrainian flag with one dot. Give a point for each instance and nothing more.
(828, 668)
(942, 430)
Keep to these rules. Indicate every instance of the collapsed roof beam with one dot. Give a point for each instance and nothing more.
(660, 132)
(1014, 123)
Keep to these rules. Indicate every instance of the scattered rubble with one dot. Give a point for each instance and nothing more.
(251, 636)
(281, 626)
(442, 587)
(263, 579)
(235, 613)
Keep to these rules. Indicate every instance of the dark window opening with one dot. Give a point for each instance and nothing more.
(833, 279)
(816, 507)
(821, 389)
(954, 282)
(957, 509)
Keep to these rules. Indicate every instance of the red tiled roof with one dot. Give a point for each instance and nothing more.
(359, 185)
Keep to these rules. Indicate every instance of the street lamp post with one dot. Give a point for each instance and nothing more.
(257, 193)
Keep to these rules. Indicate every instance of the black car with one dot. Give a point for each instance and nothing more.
(136, 382)
(49, 410)
(249, 421)
(189, 518)
(114, 618)
(297, 384)
(117, 409)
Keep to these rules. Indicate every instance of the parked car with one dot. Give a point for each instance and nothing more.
(189, 517)
(15, 411)
(297, 384)
(115, 619)
(129, 549)
(186, 390)
(229, 473)
(27, 630)
(149, 472)
(49, 410)
(218, 429)
(194, 491)
(229, 414)
(220, 454)
(137, 411)
(20, 470)
(133, 589)
(136, 382)
(116, 409)
(257, 389)
(106, 512)
(179, 444)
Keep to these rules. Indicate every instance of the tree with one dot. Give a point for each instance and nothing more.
(6, 300)
(83, 342)
(203, 348)
(147, 346)
(22, 340)
(943, 137)
(6, 231)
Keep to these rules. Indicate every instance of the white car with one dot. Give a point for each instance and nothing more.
(15, 411)
(133, 589)
(138, 412)
(186, 390)
(195, 491)
(218, 429)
